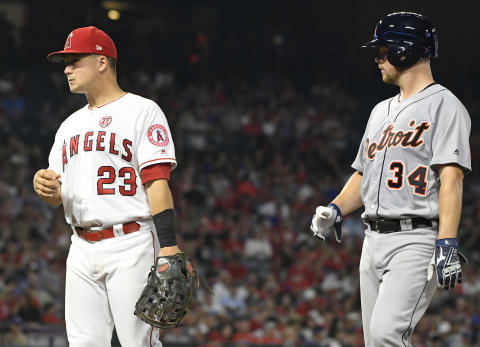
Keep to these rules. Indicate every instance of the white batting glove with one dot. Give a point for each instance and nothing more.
(327, 218)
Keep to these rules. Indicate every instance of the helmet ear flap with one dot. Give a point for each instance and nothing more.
(397, 55)
(402, 57)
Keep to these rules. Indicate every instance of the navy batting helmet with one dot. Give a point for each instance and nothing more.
(409, 36)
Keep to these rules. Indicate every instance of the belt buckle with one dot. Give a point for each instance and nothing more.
(89, 231)
(379, 222)
(95, 229)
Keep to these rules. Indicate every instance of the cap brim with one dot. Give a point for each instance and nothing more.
(57, 57)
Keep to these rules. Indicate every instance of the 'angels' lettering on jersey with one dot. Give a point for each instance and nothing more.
(391, 138)
(95, 141)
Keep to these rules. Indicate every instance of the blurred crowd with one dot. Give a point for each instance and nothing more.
(255, 157)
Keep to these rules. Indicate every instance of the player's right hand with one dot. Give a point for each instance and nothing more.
(325, 219)
(47, 185)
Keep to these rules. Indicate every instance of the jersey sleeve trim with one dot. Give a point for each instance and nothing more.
(357, 167)
(466, 166)
(173, 161)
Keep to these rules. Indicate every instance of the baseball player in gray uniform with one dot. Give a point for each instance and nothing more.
(409, 177)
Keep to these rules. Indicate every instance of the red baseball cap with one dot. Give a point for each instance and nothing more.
(86, 40)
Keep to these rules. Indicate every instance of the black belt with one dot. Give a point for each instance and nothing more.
(386, 226)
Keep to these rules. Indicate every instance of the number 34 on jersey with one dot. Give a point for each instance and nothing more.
(417, 179)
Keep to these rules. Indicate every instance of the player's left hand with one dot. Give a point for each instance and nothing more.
(166, 299)
(447, 263)
(327, 219)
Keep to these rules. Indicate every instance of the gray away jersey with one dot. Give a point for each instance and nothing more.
(402, 144)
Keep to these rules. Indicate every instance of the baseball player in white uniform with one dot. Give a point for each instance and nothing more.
(109, 166)
(409, 177)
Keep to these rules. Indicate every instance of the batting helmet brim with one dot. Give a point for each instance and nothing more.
(373, 43)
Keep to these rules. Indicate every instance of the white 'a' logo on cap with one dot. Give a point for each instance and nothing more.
(68, 43)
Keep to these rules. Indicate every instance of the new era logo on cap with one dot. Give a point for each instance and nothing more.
(86, 40)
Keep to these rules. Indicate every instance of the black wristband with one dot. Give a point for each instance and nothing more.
(165, 226)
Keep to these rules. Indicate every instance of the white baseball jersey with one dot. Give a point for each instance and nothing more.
(402, 144)
(99, 154)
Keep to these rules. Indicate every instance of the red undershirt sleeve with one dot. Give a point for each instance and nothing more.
(155, 172)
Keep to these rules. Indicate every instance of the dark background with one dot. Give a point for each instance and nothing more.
(320, 38)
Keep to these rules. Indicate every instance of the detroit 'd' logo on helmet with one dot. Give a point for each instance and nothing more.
(157, 135)
(105, 121)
